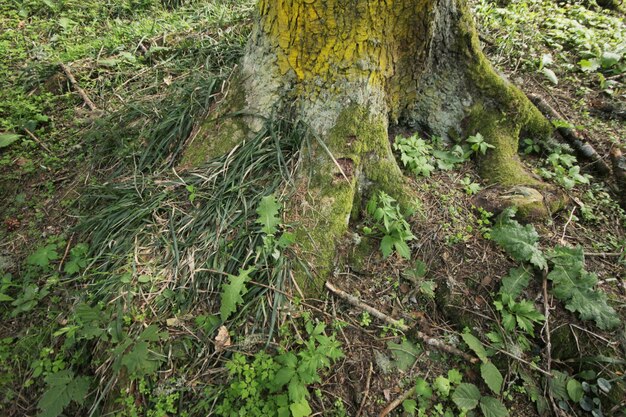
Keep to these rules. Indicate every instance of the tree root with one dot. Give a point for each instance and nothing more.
(435, 343)
(582, 148)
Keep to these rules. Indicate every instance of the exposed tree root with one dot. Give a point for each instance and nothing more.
(582, 148)
(435, 343)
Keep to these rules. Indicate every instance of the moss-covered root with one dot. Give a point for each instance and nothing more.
(221, 131)
(353, 159)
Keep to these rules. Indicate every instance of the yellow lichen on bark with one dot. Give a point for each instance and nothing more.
(328, 42)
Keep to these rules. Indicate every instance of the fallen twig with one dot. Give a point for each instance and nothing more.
(435, 343)
(36, 139)
(79, 90)
(619, 172)
(366, 393)
(572, 137)
(546, 313)
(395, 403)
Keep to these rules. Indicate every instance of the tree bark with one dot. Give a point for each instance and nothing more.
(350, 68)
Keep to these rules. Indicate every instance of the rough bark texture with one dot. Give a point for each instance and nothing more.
(351, 67)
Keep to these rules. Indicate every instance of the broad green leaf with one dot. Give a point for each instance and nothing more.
(404, 354)
(233, 292)
(520, 242)
(386, 245)
(466, 396)
(455, 376)
(609, 59)
(402, 248)
(492, 407)
(574, 286)
(476, 345)
(409, 406)
(140, 361)
(423, 389)
(492, 377)
(604, 385)
(8, 138)
(589, 65)
(442, 385)
(43, 256)
(516, 282)
(557, 385)
(575, 390)
(300, 409)
(297, 390)
(268, 214)
(282, 378)
(62, 388)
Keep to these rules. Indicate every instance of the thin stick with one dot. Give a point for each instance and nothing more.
(395, 403)
(525, 362)
(435, 343)
(366, 393)
(582, 147)
(79, 90)
(67, 249)
(36, 139)
(571, 215)
(546, 313)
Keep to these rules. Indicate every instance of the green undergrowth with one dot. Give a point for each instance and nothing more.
(573, 40)
(200, 251)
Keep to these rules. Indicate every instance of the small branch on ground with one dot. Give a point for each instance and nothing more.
(572, 137)
(79, 90)
(546, 313)
(618, 160)
(435, 343)
(366, 393)
(395, 403)
(39, 142)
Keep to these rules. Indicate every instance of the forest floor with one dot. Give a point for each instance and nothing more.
(130, 287)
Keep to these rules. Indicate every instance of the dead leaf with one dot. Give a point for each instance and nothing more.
(222, 340)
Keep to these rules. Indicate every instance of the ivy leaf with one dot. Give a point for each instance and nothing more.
(492, 377)
(466, 396)
(62, 389)
(268, 214)
(43, 256)
(233, 292)
(520, 242)
(476, 345)
(517, 280)
(492, 407)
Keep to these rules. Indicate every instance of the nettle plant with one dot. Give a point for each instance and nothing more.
(389, 221)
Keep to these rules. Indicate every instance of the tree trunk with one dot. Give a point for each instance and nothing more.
(350, 68)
